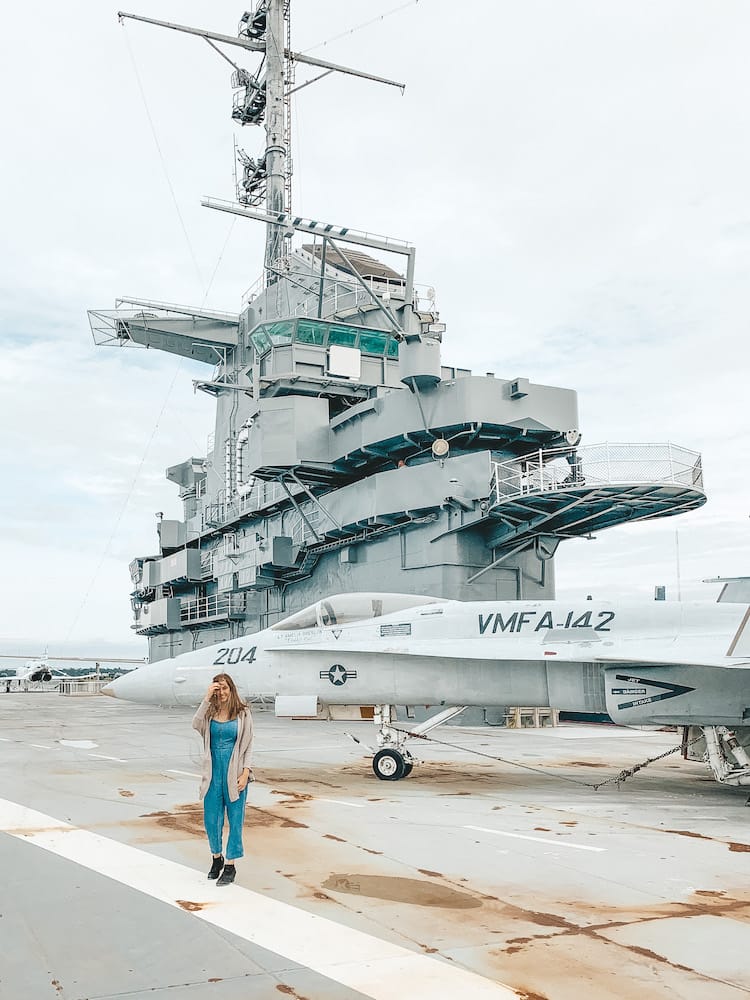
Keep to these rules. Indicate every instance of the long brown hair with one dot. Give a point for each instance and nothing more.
(236, 704)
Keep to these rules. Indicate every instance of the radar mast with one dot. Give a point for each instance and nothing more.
(265, 29)
(268, 99)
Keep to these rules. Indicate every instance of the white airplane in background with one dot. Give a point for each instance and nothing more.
(38, 668)
(655, 663)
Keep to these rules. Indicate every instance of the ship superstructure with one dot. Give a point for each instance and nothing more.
(346, 456)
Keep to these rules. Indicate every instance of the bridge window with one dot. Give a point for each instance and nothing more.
(281, 333)
(318, 333)
(372, 343)
(260, 340)
(343, 336)
(310, 332)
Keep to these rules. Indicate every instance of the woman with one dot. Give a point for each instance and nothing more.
(226, 725)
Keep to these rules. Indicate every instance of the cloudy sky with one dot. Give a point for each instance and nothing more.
(574, 174)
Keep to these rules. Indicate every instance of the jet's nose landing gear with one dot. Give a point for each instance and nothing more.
(392, 765)
(392, 761)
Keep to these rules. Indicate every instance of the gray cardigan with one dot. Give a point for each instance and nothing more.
(240, 755)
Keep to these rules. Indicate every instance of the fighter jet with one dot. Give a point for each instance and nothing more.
(38, 668)
(656, 663)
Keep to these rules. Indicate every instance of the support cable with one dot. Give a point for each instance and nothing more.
(617, 779)
(365, 24)
(162, 159)
(178, 367)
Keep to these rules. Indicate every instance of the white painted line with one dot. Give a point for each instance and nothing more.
(376, 969)
(103, 756)
(341, 802)
(187, 774)
(4, 740)
(40, 746)
(538, 840)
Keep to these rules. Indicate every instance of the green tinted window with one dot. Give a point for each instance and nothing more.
(392, 350)
(372, 343)
(310, 332)
(342, 335)
(260, 340)
(280, 333)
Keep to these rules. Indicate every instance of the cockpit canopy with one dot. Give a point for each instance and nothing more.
(342, 609)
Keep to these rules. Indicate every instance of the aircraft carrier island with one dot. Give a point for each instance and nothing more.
(345, 455)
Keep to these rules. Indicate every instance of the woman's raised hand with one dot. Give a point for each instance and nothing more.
(213, 688)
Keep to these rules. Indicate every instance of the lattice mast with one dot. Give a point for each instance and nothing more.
(269, 178)
(277, 153)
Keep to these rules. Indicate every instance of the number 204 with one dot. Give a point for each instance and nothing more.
(234, 654)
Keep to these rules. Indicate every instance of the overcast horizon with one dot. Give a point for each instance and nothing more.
(574, 178)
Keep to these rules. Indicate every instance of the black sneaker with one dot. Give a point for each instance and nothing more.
(227, 876)
(217, 865)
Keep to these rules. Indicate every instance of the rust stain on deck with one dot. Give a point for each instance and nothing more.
(401, 890)
(264, 817)
(188, 819)
(289, 991)
(292, 798)
(733, 846)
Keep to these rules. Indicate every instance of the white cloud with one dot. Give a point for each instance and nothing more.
(575, 178)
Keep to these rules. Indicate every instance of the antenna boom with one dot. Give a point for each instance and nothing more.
(247, 43)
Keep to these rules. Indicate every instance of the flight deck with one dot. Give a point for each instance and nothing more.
(475, 876)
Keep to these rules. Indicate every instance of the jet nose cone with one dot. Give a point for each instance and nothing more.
(115, 688)
(151, 684)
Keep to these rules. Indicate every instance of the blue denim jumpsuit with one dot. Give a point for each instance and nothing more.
(216, 800)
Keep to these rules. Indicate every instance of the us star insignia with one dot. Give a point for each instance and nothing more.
(337, 674)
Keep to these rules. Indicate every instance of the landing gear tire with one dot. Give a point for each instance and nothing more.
(389, 765)
(408, 768)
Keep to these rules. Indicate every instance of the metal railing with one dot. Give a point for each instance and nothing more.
(553, 469)
(82, 688)
(207, 608)
(262, 495)
(207, 563)
(339, 293)
(301, 528)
